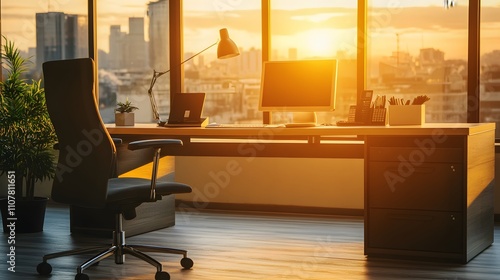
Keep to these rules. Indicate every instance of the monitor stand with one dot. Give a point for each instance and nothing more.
(303, 119)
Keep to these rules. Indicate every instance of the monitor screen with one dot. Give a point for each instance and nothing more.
(298, 85)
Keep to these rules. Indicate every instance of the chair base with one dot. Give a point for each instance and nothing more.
(118, 249)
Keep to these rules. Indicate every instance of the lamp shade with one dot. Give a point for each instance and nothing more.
(226, 48)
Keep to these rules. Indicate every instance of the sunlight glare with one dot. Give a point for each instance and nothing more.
(320, 42)
(316, 18)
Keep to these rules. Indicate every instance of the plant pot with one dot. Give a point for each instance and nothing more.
(26, 216)
(124, 119)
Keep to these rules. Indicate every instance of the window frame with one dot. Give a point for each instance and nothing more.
(176, 46)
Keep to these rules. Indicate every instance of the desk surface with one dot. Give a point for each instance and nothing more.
(427, 129)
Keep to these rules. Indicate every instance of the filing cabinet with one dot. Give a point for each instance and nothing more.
(427, 197)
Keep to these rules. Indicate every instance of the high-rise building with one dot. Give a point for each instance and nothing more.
(137, 57)
(60, 36)
(117, 48)
(50, 30)
(159, 50)
(158, 35)
(76, 36)
(250, 63)
(128, 51)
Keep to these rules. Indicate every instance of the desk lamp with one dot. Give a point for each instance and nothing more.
(226, 49)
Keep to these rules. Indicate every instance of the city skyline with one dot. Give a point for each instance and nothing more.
(326, 30)
(407, 62)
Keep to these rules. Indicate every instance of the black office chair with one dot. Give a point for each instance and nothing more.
(86, 165)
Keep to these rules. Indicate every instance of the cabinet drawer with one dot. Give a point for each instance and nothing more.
(429, 186)
(415, 230)
(415, 155)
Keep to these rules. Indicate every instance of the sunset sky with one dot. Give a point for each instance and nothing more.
(295, 23)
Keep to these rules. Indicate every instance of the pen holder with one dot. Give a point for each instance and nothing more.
(406, 114)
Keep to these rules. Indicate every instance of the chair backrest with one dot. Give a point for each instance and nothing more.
(87, 155)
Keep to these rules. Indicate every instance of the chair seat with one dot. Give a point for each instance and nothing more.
(137, 190)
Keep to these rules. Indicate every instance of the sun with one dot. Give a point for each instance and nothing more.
(320, 42)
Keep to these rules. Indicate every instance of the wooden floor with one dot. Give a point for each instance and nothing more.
(242, 246)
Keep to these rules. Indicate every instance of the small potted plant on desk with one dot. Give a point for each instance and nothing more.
(27, 138)
(124, 113)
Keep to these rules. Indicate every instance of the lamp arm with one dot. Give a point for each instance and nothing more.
(151, 95)
(198, 53)
(158, 74)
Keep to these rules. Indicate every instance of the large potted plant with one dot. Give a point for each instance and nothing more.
(27, 138)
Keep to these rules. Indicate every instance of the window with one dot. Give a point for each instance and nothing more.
(45, 32)
(132, 41)
(490, 63)
(420, 48)
(318, 30)
(414, 48)
(231, 85)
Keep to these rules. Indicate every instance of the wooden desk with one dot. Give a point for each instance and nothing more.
(303, 132)
(428, 189)
(286, 142)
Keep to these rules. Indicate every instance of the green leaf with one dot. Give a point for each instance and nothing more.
(26, 132)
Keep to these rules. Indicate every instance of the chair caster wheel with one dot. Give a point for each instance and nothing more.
(162, 275)
(186, 263)
(44, 268)
(82, 276)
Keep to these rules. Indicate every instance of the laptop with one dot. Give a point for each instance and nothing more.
(186, 109)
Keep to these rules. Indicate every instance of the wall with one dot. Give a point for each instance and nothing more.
(336, 183)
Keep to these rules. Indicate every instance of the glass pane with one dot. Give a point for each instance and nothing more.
(318, 30)
(490, 63)
(46, 32)
(231, 85)
(420, 48)
(132, 40)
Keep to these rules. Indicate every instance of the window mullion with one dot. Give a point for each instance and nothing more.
(473, 75)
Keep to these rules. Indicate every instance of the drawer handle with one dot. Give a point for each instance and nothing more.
(426, 170)
(410, 217)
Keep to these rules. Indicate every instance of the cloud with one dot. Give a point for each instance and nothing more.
(287, 22)
(283, 22)
(425, 19)
(247, 20)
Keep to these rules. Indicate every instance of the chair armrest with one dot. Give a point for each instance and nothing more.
(157, 144)
(153, 143)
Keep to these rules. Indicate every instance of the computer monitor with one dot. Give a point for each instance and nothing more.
(298, 86)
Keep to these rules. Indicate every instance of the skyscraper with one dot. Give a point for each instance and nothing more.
(159, 50)
(137, 57)
(60, 36)
(76, 36)
(116, 47)
(50, 35)
(158, 35)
